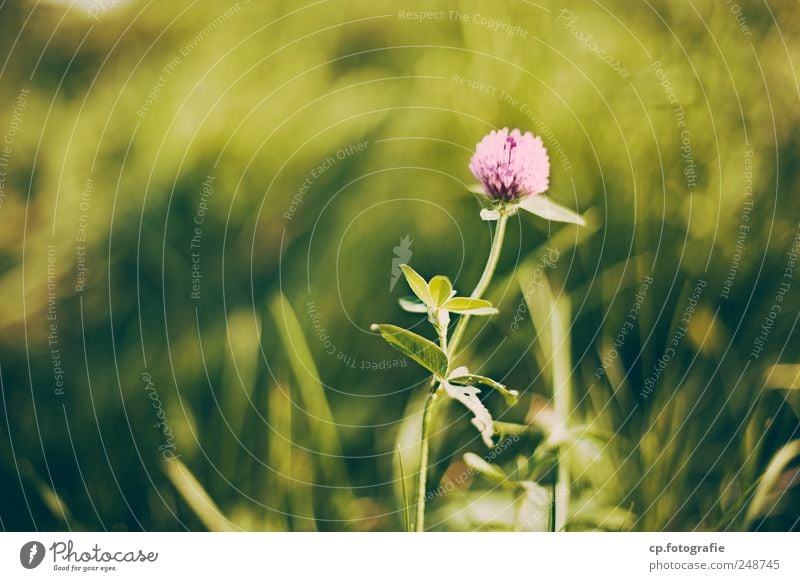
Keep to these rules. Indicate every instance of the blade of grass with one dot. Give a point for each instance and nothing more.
(49, 497)
(197, 498)
(407, 437)
(550, 316)
(240, 376)
(279, 455)
(313, 396)
(760, 505)
(290, 482)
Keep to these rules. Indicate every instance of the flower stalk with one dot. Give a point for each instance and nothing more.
(427, 413)
(458, 333)
(513, 169)
(483, 283)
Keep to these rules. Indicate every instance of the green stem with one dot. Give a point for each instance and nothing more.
(427, 413)
(443, 337)
(483, 283)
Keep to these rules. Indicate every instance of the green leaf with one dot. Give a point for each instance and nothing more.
(462, 376)
(511, 429)
(406, 508)
(546, 208)
(468, 306)
(441, 289)
(412, 305)
(468, 395)
(491, 471)
(287, 329)
(420, 349)
(417, 284)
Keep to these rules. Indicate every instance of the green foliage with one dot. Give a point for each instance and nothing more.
(438, 300)
(420, 349)
(539, 205)
(462, 376)
(492, 472)
(467, 306)
(441, 290)
(419, 286)
(546, 208)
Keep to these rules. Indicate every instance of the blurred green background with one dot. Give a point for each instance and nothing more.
(201, 204)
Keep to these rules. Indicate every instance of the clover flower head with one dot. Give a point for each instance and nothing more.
(511, 165)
